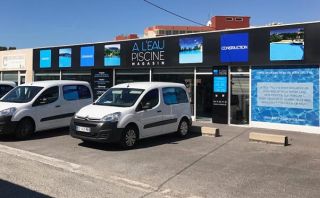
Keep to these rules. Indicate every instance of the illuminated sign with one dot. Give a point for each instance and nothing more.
(65, 57)
(45, 58)
(112, 55)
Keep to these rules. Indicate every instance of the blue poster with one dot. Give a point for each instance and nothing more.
(87, 56)
(45, 58)
(234, 47)
(288, 95)
(65, 57)
(191, 50)
(112, 55)
(287, 44)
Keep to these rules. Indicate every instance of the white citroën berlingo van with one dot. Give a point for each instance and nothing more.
(42, 105)
(131, 111)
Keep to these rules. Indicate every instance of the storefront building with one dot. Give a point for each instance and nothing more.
(16, 65)
(261, 77)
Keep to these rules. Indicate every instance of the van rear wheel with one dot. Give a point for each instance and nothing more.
(24, 129)
(183, 128)
(129, 137)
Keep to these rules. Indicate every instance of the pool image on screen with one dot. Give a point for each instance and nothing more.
(112, 55)
(87, 56)
(45, 58)
(65, 57)
(191, 50)
(287, 44)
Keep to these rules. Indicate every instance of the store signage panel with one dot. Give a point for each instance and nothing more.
(14, 62)
(65, 56)
(285, 95)
(220, 95)
(101, 81)
(234, 47)
(148, 52)
(45, 58)
(112, 55)
(87, 56)
(191, 50)
(287, 44)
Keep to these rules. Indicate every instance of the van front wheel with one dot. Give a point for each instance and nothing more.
(183, 128)
(129, 137)
(24, 129)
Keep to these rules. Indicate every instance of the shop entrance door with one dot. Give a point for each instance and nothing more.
(239, 99)
(204, 98)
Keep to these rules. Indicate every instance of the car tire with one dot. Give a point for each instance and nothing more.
(129, 137)
(24, 129)
(183, 128)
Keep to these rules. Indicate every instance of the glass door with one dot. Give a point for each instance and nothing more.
(204, 98)
(239, 99)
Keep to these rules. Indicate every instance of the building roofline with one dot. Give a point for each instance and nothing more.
(206, 32)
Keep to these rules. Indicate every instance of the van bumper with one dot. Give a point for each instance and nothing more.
(104, 132)
(6, 125)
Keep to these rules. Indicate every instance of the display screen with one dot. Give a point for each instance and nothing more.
(288, 95)
(287, 44)
(112, 55)
(220, 84)
(191, 49)
(45, 58)
(87, 56)
(65, 57)
(234, 47)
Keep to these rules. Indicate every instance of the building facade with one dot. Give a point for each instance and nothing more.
(261, 77)
(16, 65)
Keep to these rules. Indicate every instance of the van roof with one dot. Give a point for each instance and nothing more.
(50, 83)
(149, 85)
(11, 83)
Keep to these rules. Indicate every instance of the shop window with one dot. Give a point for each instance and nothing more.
(46, 76)
(10, 76)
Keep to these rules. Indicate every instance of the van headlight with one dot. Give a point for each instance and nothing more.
(8, 112)
(114, 117)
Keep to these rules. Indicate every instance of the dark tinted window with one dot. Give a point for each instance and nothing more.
(48, 96)
(181, 95)
(22, 94)
(152, 97)
(4, 89)
(76, 92)
(119, 97)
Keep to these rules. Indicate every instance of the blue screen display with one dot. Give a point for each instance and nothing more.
(87, 56)
(288, 95)
(234, 47)
(65, 57)
(220, 84)
(45, 58)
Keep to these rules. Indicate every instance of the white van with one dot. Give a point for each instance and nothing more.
(132, 111)
(6, 86)
(42, 105)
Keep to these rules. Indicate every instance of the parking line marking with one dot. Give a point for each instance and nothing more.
(89, 172)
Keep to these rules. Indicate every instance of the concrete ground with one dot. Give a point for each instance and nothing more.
(165, 166)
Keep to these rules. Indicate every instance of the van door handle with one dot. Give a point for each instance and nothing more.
(159, 111)
(57, 106)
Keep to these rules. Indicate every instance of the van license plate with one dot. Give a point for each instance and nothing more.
(83, 129)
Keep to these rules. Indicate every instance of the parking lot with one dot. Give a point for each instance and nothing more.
(201, 166)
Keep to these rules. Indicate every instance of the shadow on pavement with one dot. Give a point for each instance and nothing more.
(8, 189)
(144, 143)
(38, 135)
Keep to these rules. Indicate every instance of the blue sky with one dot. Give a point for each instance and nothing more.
(39, 23)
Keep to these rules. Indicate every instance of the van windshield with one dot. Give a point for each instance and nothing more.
(21, 94)
(119, 97)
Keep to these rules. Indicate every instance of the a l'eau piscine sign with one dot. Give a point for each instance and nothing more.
(148, 53)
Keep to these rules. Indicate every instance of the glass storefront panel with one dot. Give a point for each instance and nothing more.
(239, 99)
(10, 76)
(46, 76)
(204, 98)
(125, 76)
(81, 76)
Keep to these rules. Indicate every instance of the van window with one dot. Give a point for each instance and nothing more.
(174, 95)
(75, 92)
(4, 89)
(48, 96)
(22, 94)
(119, 97)
(152, 97)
